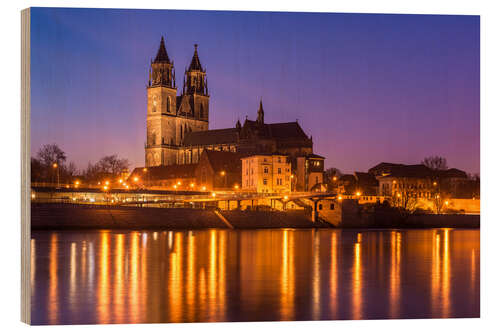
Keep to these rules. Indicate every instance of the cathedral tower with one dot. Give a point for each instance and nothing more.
(170, 117)
(195, 86)
(162, 109)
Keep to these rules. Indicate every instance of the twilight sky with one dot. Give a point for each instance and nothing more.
(367, 87)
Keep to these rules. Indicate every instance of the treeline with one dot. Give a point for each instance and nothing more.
(50, 165)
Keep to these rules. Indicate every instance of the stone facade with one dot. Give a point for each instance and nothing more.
(171, 117)
(177, 126)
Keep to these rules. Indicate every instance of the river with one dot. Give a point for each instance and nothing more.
(84, 277)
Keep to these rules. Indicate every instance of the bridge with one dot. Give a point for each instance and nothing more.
(142, 197)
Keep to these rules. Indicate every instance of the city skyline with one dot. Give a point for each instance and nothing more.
(393, 88)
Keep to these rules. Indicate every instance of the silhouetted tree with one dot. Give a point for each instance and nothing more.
(50, 154)
(435, 163)
(108, 166)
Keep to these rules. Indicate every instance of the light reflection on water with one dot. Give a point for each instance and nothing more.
(220, 275)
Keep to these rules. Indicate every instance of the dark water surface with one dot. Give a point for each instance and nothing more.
(218, 275)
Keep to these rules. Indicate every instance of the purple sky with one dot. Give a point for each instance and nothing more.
(368, 88)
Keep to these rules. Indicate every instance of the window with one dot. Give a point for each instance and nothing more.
(266, 170)
(317, 180)
(320, 206)
(279, 171)
(279, 159)
(265, 181)
(332, 206)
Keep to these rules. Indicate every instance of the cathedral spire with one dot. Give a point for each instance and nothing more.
(195, 61)
(195, 76)
(161, 72)
(161, 55)
(260, 113)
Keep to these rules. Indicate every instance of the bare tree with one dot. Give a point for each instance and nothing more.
(112, 164)
(435, 163)
(406, 197)
(107, 166)
(332, 172)
(438, 201)
(50, 154)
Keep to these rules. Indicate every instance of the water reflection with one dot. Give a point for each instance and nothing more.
(220, 275)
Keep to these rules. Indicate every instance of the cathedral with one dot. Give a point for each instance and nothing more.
(177, 126)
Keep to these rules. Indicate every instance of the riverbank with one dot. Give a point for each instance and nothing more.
(69, 216)
(74, 216)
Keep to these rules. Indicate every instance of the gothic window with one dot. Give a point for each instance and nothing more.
(169, 101)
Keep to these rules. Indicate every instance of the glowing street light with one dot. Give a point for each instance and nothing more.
(191, 185)
(236, 186)
(204, 188)
(145, 170)
(358, 193)
(213, 194)
(446, 203)
(285, 197)
(106, 182)
(120, 180)
(179, 183)
(175, 187)
(223, 173)
(339, 197)
(54, 165)
(105, 187)
(136, 179)
(334, 178)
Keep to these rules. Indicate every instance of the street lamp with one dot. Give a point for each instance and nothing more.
(55, 166)
(145, 170)
(223, 174)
